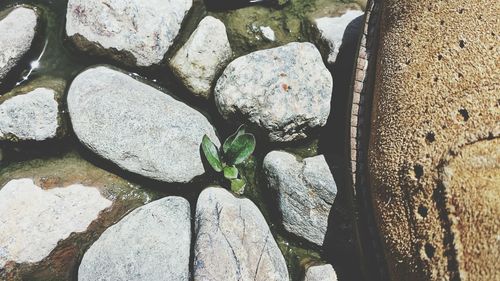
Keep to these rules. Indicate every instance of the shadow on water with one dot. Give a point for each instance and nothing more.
(340, 239)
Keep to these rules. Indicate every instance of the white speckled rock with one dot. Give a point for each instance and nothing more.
(34, 220)
(284, 90)
(136, 126)
(31, 116)
(135, 31)
(17, 31)
(306, 191)
(320, 273)
(204, 55)
(233, 241)
(149, 244)
(331, 31)
(56, 208)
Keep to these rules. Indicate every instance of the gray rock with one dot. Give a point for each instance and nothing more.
(321, 273)
(136, 126)
(204, 55)
(135, 32)
(53, 208)
(32, 112)
(34, 220)
(267, 33)
(151, 243)
(330, 31)
(17, 31)
(233, 241)
(284, 90)
(306, 191)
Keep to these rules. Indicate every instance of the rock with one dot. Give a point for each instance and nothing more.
(17, 31)
(204, 55)
(330, 32)
(267, 33)
(433, 157)
(320, 273)
(285, 91)
(33, 112)
(34, 220)
(52, 210)
(306, 191)
(136, 126)
(134, 32)
(151, 243)
(233, 241)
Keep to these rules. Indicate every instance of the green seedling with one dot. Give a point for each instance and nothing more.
(235, 150)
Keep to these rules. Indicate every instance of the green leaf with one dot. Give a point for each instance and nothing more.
(237, 185)
(241, 148)
(211, 153)
(230, 139)
(230, 172)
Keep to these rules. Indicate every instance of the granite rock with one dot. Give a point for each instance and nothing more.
(136, 126)
(285, 91)
(306, 191)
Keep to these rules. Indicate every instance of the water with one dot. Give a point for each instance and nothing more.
(54, 55)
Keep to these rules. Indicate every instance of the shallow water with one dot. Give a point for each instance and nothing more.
(55, 56)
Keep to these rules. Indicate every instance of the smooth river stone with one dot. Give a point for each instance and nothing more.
(17, 31)
(133, 31)
(149, 244)
(233, 241)
(136, 126)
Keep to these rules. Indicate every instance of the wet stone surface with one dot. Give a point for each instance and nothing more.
(129, 132)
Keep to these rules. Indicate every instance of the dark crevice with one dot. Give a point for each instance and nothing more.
(450, 252)
(464, 113)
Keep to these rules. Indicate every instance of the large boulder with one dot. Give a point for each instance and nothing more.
(306, 191)
(151, 243)
(286, 91)
(17, 31)
(136, 126)
(433, 154)
(134, 32)
(52, 210)
(33, 111)
(204, 56)
(233, 241)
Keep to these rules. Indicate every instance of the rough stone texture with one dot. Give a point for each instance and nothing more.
(135, 32)
(233, 241)
(306, 191)
(436, 108)
(34, 220)
(151, 243)
(33, 111)
(204, 55)
(141, 129)
(284, 90)
(320, 273)
(330, 32)
(17, 31)
(55, 197)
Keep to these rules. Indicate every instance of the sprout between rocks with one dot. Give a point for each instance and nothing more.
(235, 150)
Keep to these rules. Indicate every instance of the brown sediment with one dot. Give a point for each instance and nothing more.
(436, 110)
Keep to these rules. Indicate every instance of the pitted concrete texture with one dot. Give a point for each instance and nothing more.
(434, 145)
